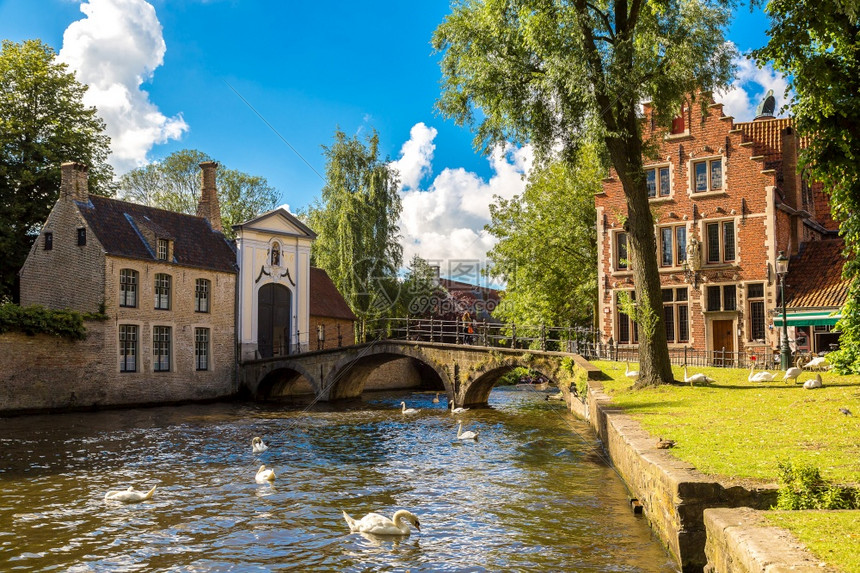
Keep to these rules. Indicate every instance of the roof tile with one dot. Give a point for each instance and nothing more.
(815, 276)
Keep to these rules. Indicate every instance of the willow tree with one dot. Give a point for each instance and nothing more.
(556, 73)
(356, 224)
(544, 253)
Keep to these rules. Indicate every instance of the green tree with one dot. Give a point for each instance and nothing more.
(556, 73)
(356, 224)
(546, 252)
(174, 184)
(43, 123)
(817, 46)
(418, 289)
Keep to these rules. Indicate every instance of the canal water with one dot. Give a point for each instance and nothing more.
(532, 494)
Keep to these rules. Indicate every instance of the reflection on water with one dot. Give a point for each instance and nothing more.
(532, 494)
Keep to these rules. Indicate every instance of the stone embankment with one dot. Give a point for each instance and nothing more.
(675, 498)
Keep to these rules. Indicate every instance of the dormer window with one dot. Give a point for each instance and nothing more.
(276, 255)
(163, 248)
(82, 237)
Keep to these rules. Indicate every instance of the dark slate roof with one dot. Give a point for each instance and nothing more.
(326, 300)
(815, 276)
(195, 243)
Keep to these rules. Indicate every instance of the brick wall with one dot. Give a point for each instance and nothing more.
(43, 372)
(748, 198)
(68, 275)
(347, 332)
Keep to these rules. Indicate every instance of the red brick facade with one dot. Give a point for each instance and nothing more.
(733, 188)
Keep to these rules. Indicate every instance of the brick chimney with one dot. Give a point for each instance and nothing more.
(73, 181)
(791, 185)
(208, 207)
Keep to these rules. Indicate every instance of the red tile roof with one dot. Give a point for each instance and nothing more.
(326, 300)
(115, 222)
(815, 276)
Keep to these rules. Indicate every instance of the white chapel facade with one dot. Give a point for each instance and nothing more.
(273, 293)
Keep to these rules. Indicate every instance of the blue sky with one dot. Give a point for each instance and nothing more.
(159, 73)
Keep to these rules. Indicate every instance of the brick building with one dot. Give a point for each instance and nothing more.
(726, 199)
(332, 322)
(165, 280)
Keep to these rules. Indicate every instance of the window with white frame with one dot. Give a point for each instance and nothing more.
(721, 242)
(128, 288)
(162, 291)
(676, 314)
(127, 348)
(201, 295)
(163, 249)
(201, 348)
(707, 175)
(722, 297)
(673, 245)
(622, 263)
(161, 348)
(755, 306)
(658, 181)
(627, 329)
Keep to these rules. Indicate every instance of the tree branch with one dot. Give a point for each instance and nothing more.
(605, 18)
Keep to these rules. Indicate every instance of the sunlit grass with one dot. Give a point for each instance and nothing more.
(740, 429)
(833, 536)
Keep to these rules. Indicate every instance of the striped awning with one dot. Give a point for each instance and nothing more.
(809, 318)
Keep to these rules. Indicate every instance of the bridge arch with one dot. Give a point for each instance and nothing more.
(477, 389)
(348, 376)
(284, 380)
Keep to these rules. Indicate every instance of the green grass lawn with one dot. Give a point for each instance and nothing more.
(739, 429)
(833, 536)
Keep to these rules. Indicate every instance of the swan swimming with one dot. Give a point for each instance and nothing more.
(380, 525)
(257, 445)
(455, 410)
(130, 495)
(436, 399)
(406, 410)
(264, 475)
(461, 435)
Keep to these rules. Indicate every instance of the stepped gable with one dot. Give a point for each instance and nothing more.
(815, 276)
(325, 300)
(195, 243)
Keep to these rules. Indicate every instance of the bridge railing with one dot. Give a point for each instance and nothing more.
(481, 333)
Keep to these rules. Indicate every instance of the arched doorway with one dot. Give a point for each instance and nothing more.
(273, 320)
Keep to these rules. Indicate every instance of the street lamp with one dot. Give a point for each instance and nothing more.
(781, 271)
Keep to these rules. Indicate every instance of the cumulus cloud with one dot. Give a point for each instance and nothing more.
(114, 49)
(749, 89)
(443, 223)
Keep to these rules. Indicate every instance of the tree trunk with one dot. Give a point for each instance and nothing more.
(626, 155)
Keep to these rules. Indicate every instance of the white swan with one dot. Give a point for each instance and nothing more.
(813, 383)
(697, 378)
(456, 410)
(257, 445)
(762, 376)
(817, 362)
(264, 475)
(436, 399)
(381, 525)
(792, 374)
(461, 435)
(130, 495)
(632, 374)
(405, 410)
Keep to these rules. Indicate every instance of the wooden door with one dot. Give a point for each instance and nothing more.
(723, 339)
(273, 320)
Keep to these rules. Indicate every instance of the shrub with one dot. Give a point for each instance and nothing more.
(802, 487)
(37, 319)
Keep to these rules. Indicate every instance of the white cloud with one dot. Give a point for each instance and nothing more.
(415, 156)
(749, 89)
(444, 222)
(114, 50)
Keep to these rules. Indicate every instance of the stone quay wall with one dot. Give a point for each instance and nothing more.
(45, 373)
(672, 494)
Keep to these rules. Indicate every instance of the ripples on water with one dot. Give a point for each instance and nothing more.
(532, 494)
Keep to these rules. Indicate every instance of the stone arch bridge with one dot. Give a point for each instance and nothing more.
(465, 373)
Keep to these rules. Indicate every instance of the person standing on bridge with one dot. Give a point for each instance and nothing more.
(468, 328)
